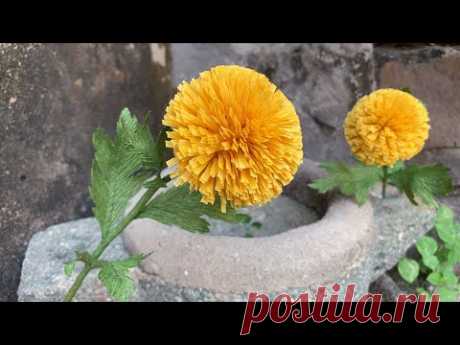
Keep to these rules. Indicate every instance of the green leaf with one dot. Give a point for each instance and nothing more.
(435, 278)
(161, 144)
(424, 182)
(426, 246)
(453, 256)
(351, 180)
(137, 141)
(445, 216)
(408, 269)
(115, 277)
(119, 169)
(449, 276)
(132, 261)
(430, 261)
(69, 268)
(156, 183)
(178, 206)
(399, 165)
(442, 253)
(447, 294)
(446, 227)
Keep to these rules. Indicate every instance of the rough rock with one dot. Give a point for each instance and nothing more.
(400, 225)
(43, 268)
(52, 97)
(386, 286)
(323, 81)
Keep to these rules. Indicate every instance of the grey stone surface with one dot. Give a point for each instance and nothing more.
(323, 80)
(52, 97)
(400, 224)
(43, 277)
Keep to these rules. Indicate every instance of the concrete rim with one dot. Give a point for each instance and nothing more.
(311, 255)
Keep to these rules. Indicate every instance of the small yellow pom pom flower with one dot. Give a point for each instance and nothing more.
(234, 135)
(386, 126)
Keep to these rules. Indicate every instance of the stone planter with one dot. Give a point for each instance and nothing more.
(330, 250)
(349, 244)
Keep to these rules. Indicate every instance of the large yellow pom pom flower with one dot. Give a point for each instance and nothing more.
(234, 135)
(387, 126)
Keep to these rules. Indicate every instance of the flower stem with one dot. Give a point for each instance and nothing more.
(384, 181)
(117, 231)
(77, 284)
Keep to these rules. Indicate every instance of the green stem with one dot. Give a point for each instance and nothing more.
(118, 230)
(384, 181)
(76, 285)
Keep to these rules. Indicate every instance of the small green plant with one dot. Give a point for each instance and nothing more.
(434, 271)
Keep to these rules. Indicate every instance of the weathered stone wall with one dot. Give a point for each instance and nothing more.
(52, 97)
